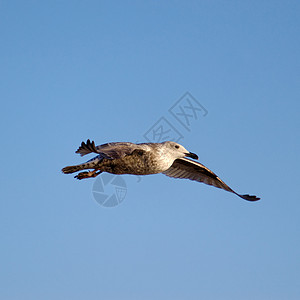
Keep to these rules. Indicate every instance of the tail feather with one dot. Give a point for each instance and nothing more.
(90, 164)
(71, 169)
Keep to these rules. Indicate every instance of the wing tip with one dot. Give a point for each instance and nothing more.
(250, 197)
(86, 148)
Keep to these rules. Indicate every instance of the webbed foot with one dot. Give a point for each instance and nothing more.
(88, 174)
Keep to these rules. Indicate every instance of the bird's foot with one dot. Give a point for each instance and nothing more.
(88, 174)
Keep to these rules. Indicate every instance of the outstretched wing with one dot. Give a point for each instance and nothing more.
(186, 168)
(110, 150)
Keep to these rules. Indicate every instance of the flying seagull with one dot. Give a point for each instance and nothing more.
(168, 158)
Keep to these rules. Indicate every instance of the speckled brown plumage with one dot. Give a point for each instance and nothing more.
(168, 158)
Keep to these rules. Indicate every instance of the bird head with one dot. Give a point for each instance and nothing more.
(178, 150)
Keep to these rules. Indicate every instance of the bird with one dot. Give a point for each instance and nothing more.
(168, 158)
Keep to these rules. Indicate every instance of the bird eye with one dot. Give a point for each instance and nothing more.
(177, 147)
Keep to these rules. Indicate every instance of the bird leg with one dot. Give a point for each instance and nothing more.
(88, 174)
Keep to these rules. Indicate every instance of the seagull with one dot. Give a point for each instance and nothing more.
(168, 158)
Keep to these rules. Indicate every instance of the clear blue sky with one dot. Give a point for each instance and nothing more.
(107, 71)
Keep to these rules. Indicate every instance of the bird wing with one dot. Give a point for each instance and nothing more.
(110, 150)
(186, 168)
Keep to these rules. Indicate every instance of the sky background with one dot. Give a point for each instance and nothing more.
(108, 71)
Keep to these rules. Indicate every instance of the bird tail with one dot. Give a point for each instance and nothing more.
(91, 164)
(72, 169)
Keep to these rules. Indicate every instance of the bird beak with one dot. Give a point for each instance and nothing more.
(192, 155)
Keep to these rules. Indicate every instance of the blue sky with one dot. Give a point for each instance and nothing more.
(108, 71)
